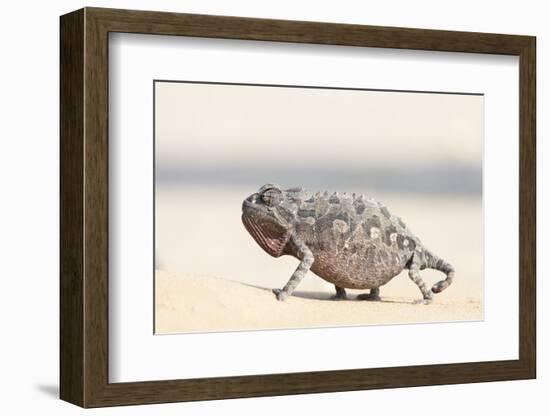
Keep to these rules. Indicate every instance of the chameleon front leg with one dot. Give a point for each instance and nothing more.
(306, 260)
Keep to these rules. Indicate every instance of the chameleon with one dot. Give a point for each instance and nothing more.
(349, 240)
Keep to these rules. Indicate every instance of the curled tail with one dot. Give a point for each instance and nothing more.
(434, 262)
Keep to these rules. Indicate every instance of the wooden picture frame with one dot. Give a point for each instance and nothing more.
(84, 207)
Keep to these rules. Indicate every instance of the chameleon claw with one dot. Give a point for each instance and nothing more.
(280, 294)
(369, 297)
(339, 297)
(423, 301)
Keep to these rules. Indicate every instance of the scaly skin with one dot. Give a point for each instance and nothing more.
(348, 240)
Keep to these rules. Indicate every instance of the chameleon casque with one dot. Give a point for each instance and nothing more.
(348, 240)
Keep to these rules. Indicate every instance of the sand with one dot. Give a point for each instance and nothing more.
(189, 303)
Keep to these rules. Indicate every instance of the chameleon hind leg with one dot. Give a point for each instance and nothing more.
(340, 293)
(414, 275)
(374, 295)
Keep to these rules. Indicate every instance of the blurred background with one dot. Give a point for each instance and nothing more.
(215, 144)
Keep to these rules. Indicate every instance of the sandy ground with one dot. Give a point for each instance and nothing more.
(187, 303)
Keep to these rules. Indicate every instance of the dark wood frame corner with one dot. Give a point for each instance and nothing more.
(84, 207)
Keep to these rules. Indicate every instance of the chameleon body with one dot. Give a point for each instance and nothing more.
(351, 241)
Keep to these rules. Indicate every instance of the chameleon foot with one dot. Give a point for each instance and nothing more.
(280, 294)
(425, 301)
(374, 295)
(369, 296)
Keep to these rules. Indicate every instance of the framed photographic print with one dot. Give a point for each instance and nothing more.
(255, 207)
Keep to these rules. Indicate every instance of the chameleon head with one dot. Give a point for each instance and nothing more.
(268, 215)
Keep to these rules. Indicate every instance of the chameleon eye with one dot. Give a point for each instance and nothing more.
(271, 197)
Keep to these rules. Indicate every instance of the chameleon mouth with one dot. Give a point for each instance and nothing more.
(270, 243)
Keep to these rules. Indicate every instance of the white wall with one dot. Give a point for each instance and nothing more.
(29, 209)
